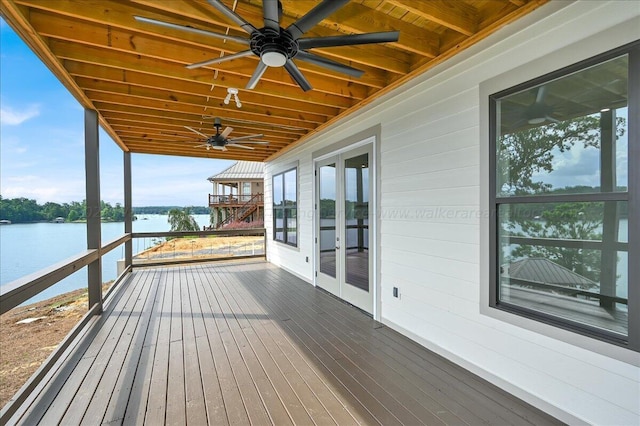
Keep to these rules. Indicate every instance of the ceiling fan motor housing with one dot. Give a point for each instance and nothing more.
(273, 47)
(217, 140)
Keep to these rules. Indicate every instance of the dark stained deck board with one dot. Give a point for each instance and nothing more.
(445, 370)
(194, 391)
(369, 393)
(311, 391)
(357, 361)
(230, 398)
(357, 366)
(268, 369)
(176, 392)
(156, 407)
(97, 391)
(135, 410)
(349, 346)
(124, 385)
(249, 343)
(272, 403)
(302, 404)
(429, 368)
(254, 405)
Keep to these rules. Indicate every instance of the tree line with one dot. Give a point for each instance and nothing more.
(24, 210)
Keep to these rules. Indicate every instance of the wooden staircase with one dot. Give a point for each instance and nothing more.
(240, 214)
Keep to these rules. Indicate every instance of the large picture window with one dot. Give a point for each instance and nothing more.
(561, 155)
(285, 207)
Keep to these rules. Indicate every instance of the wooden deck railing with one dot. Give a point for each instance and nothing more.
(235, 200)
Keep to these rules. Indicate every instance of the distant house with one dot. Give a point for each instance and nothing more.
(238, 194)
(543, 271)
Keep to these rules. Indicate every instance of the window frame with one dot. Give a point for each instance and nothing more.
(632, 197)
(285, 210)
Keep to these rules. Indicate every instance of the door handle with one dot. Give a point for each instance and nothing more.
(337, 247)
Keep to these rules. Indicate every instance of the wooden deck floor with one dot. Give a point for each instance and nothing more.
(252, 344)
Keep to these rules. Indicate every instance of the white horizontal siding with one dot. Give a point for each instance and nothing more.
(430, 222)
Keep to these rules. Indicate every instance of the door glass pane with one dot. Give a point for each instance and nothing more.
(356, 205)
(327, 213)
(278, 224)
(292, 227)
(278, 189)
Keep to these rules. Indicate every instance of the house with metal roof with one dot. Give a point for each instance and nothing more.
(237, 194)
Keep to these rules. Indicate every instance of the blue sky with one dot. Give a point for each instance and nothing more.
(42, 144)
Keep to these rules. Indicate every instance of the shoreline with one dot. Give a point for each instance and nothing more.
(30, 333)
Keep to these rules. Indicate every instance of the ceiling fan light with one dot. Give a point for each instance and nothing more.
(273, 59)
(536, 120)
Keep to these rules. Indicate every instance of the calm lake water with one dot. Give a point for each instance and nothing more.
(28, 248)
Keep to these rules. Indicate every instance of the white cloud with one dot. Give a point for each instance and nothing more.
(12, 117)
(32, 187)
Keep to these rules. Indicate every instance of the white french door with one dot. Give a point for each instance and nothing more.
(344, 203)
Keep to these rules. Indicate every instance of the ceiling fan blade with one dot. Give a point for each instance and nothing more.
(198, 146)
(226, 132)
(220, 7)
(256, 142)
(191, 30)
(551, 119)
(541, 93)
(220, 60)
(241, 138)
(297, 75)
(234, 145)
(260, 69)
(271, 14)
(314, 16)
(348, 40)
(328, 63)
(197, 132)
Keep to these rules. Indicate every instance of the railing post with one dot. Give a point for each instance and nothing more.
(92, 175)
(128, 210)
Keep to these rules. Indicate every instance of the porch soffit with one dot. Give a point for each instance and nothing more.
(134, 73)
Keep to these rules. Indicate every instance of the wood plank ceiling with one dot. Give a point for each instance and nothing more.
(133, 73)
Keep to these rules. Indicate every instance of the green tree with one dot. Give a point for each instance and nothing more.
(51, 211)
(181, 220)
(20, 210)
(567, 221)
(118, 213)
(522, 154)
